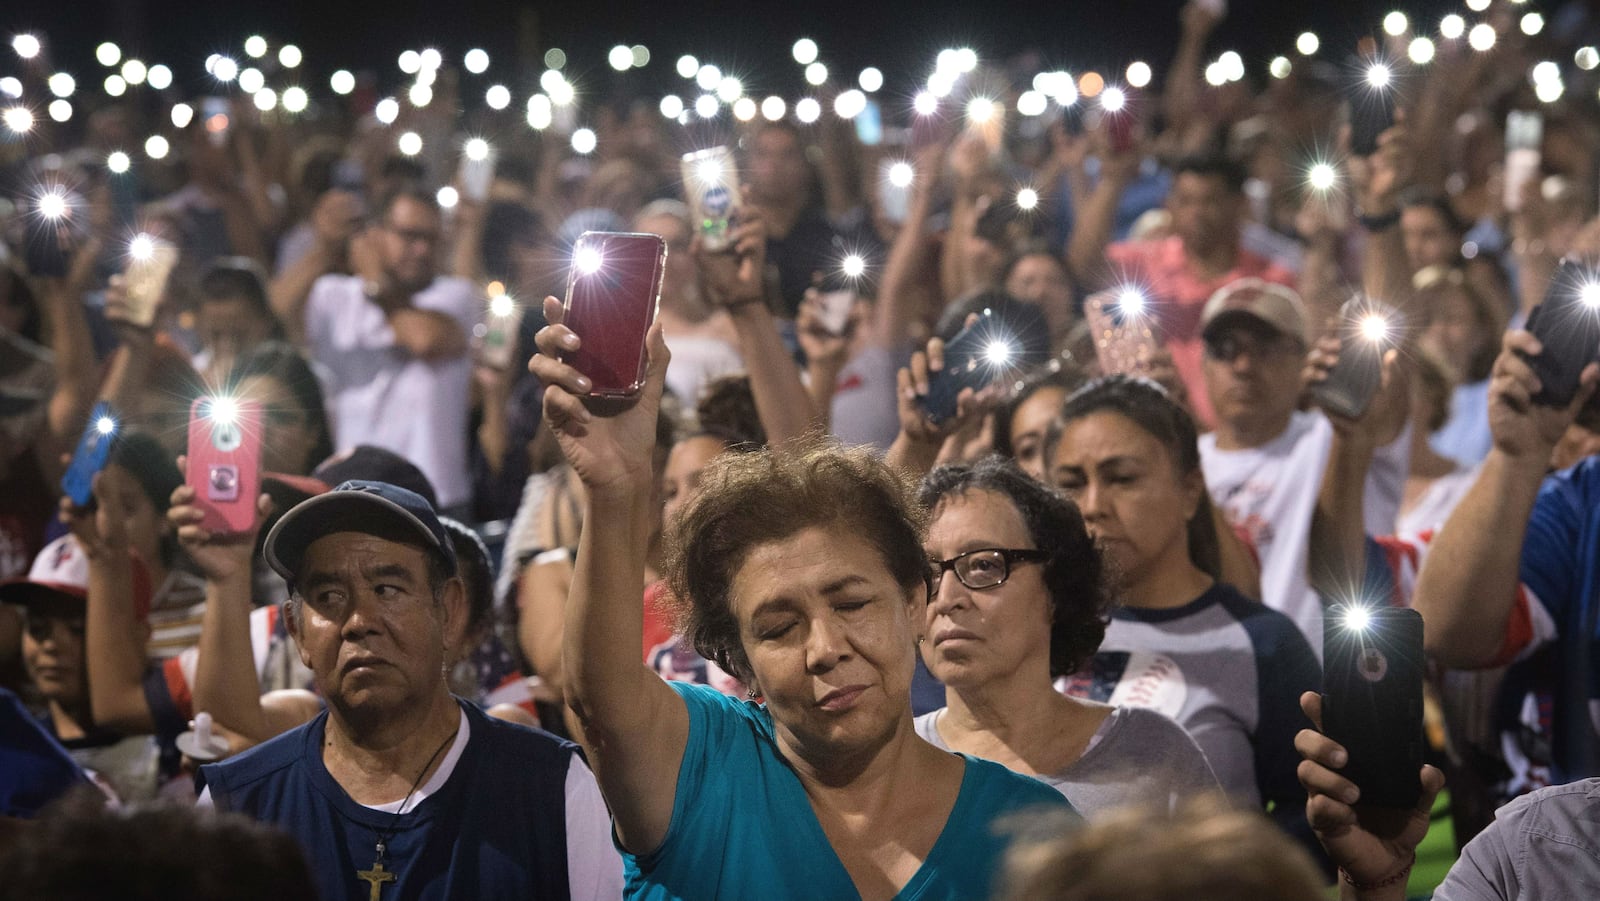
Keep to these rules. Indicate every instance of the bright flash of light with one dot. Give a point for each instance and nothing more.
(925, 103)
(584, 141)
(118, 162)
(1374, 327)
(223, 410)
(448, 197)
(477, 149)
(1589, 294)
(709, 171)
(19, 119)
(980, 110)
(1378, 76)
(53, 203)
(997, 353)
(1130, 301)
(1027, 199)
(1357, 618)
(1322, 176)
(26, 45)
(588, 259)
(142, 247)
(343, 82)
(1307, 43)
(502, 305)
(854, 266)
(105, 425)
(901, 174)
(1113, 100)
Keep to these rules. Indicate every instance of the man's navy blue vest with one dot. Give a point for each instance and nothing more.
(496, 830)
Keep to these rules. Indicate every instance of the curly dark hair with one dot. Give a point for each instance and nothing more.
(1080, 595)
(1148, 405)
(748, 500)
(727, 408)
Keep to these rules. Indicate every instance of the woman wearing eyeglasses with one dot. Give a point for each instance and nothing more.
(1018, 600)
(1227, 669)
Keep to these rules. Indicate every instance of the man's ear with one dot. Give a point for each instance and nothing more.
(291, 622)
(456, 610)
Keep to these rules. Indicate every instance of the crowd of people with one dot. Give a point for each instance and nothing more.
(771, 625)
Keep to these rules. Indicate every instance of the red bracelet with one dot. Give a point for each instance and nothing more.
(1385, 882)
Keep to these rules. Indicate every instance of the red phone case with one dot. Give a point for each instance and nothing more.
(611, 308)
(225, 466)
(1126, 347)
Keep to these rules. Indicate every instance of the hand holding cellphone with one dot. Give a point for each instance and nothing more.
(977, 356)
(1372, 699)
(1123, 331)
(1567, 324)
(496, 336)
(91, 455)
(224, 466)
(1371, 106)
(150, 264)
(1524, 140)
(711, 182)
(613, 290)
(476, 174)
(1366, 332)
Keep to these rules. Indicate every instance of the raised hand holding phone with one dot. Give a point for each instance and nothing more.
(613, 292)
(224, 462)
(610, 446)
(94, 449)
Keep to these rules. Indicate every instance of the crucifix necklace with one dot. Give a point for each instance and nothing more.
(377, 877)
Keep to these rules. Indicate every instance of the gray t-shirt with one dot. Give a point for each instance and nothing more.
(1136, 757)
(1541, 846)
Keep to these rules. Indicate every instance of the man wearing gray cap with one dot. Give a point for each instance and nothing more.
(1264, 462)
(399, 790)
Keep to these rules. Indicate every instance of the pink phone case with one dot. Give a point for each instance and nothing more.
(1126, 347)
(225, 466)
(610, 308)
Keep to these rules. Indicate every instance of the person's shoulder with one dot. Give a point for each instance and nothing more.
(927, 727)
(1559, 803)
(1581, 480)
(522, 740)
(1006, 789)
(262, 761)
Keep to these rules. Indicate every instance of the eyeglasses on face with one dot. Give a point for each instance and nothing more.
(1229, 346)
(985, 567)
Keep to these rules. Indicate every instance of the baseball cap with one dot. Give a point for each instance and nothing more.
(58, 582)
(369, 463)
(375, 508)
(1280, 308)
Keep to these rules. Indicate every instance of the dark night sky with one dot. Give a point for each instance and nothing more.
(754, 38)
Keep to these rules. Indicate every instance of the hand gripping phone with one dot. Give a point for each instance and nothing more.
(1371, 111)
(1567, 323)
(225, 462)
(1372, 699)
(711, 182)
(977, 356)
(150, 265)
(1366, 332)
(1524, 138)
(496, 336)
(613, 290)
(94, 449)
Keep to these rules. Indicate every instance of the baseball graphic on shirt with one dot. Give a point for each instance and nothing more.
(1153, 681)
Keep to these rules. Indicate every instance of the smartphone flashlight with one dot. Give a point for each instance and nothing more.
(1589, 295)
(502, 305)
(588, 260)
(1130, 302)
(53, 204)
(980, 110)
(997, 353)
(19, 119)
(223, 410)
(1027, 199)
(854, 266)
(1378, 76)
(477, 150)
(1113, 100)
(901, 174)
(1322, 177)
(925, 103)
(142, 247)
(1357, 618)
(1374, 327)
(105, 425)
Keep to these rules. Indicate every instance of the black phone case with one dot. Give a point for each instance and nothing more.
(1570, 334)
(1371, 114)
(965, 366)
(1372, 702)
(1354, 380)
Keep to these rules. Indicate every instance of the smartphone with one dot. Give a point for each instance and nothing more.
(1372, 699)
(894, 201)
(94, 449)
(225, 462)
(1072, 118)
(150, 265)
(833, 309)
(1371, 112)
(214, 115)
(1120, 125)
(613, 290)
(978, 355)
(1123, 329)
(711, 183)
(1366, 331)
(53, 232)
(1567, 323)
(869, 124)
(1524, 137)
(476, 175)
(497, 334)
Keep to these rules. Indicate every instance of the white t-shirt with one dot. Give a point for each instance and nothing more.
(696, 360)
(379, 394)
(1270, 492)
(594, 867)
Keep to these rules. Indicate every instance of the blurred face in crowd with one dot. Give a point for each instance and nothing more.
(1429, 240)
(973, 636)
(681, 482)
(778, 172)
(1126, 482)
(52, 652)
(230, 326)
(411, 243)
(1454, 332)
(1028, 426)
(369, 626)
(146, 523)
(1252, 372)
(1039, 278)
(678, 279)
(289, 435)
(830, 636)
(1205, 213)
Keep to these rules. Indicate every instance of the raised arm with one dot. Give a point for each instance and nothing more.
(634, 727)
(1184, 84)
(734, 282)
(1097, 215)
(910, 257)
(1468, 583)
(334, 220)
(76, 369)
(1377, 181)
(114, 638)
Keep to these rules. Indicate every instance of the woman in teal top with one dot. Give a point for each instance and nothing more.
(802, 573)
